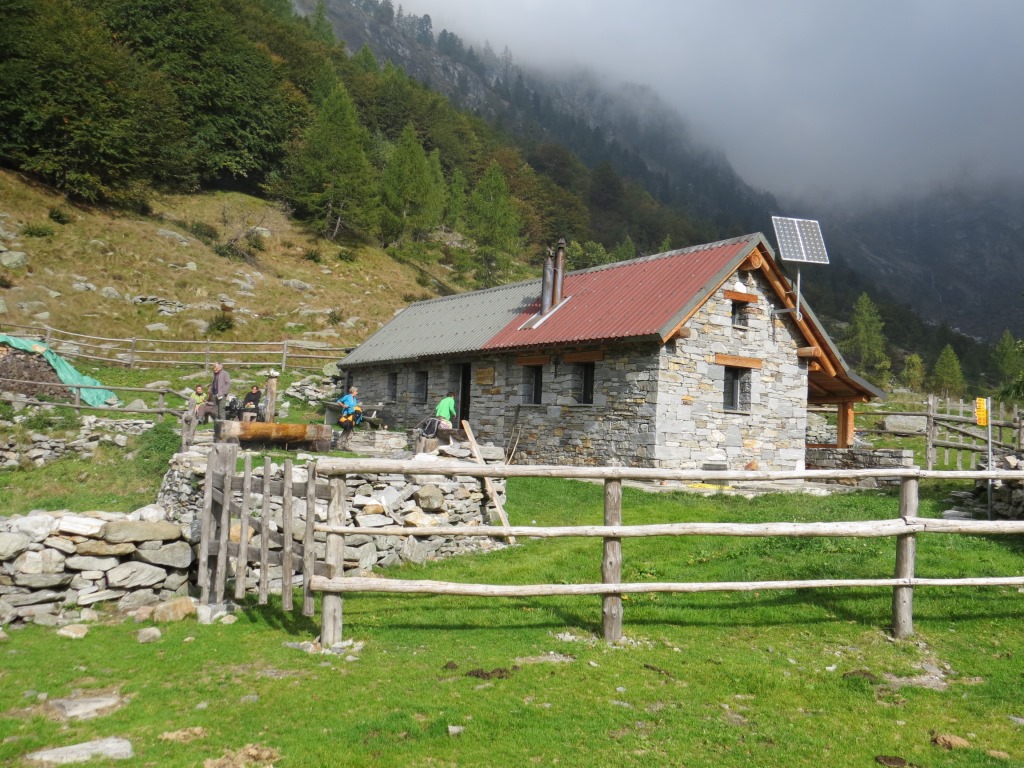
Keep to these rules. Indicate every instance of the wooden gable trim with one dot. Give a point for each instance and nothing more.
(746, 298)
(533, 360)
(735, 361)
(591, 356)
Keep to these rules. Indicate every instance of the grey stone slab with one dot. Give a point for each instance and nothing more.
(112, 748)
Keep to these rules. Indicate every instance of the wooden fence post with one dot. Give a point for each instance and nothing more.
(265, 534)
(611, 566)
(227, 456)
(286, 533)
(932, 436)
(309, 543)
(131, 355)
(284, 356)
(242, 560)
(205, 526)
(332, 610)
(78, 401)
(906, 550)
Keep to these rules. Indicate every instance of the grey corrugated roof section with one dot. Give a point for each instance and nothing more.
(449, 325)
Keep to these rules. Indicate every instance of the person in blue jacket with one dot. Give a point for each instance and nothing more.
(351, 415)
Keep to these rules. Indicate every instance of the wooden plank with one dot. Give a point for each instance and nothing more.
(591, 356)
(286, 532)
(205, 531)
(264, 539)
(331, 613)
(491, 492)
(736, 361)
(611, 563)
(533, 360)
(242, 562)
(741, 296)
(308, 542)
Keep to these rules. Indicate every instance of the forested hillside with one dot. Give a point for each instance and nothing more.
(114, 102)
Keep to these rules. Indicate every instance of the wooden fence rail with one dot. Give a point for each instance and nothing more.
(295, 353)
(327, 576)
(161, 406)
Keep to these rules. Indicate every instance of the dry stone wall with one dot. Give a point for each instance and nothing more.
(55, 565)
(38, 449)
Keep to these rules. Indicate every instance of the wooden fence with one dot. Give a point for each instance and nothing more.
(327, 576)
(949, 425)
(295, 354)
(161, 408)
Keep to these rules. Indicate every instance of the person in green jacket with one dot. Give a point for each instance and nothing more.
(445, 411)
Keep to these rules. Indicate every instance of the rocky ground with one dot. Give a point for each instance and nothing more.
(42, 380)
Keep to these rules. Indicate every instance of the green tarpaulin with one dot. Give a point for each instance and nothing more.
(65, 371)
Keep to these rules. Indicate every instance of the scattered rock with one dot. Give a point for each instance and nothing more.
(455, 730)
(949, 741)
(73, 631)
(149, 635)
(111, 748)
(85, 707)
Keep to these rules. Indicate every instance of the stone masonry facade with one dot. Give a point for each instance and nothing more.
(653, 405)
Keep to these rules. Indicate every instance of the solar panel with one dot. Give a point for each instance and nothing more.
(800, 240)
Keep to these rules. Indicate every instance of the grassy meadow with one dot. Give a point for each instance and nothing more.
(786, 678)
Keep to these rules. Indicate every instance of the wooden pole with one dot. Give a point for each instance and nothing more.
(271, 390)
(611, 567)
(265, 534)
(491, 492)
(242, 560)
(906, 549)
(332, 610)
(284, 356)
(205, 526)
(930, 428)
(286, 532)
(227, 454)
(78, 401)
(308, 543)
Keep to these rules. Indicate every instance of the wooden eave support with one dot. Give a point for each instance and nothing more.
(845, 428)
(809, 352)
(741, 296)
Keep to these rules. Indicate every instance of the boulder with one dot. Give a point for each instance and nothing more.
(175, 555)
(12, 545)
(135, 575)
(174, 610)
(429, 498)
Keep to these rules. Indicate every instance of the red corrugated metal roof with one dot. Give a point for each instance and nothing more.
(640, 298)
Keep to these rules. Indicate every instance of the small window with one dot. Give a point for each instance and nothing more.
(392, 387)
(419, 387)
(737, 389)
(533, 384)
(740, 317)
(585, 383)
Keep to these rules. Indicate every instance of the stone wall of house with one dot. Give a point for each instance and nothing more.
(861, 458)
(694, 427)
(653, 405)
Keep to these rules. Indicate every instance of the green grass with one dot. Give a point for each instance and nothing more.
(731, 679)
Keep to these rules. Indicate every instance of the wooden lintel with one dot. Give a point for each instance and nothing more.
(533, 360)
(591, 356)
(743, 296)
(809, 352)
(735, 361)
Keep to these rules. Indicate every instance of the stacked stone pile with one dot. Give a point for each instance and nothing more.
(39, 449)
(55, 564)
(375, 501)
(1007, 495)
(313, 389)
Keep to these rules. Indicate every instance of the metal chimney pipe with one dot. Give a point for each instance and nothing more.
(546, 283)
(556, 288)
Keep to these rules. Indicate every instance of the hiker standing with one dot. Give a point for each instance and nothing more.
(220, 387)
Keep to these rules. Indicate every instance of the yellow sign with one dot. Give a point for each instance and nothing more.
(981, 411)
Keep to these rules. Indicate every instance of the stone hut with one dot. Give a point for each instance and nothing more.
(694, 358)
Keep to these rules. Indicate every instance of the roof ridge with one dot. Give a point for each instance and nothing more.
(675, 252)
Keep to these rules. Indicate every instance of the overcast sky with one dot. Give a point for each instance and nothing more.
(859, 97)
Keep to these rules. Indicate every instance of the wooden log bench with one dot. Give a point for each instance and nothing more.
(316, 436)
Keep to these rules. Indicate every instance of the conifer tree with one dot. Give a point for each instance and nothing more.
(947, 377)
(864, 343)
(494, 222)
(455, 209)
(405, 188)
(326, 177)
(913, 372)
(1007, 358)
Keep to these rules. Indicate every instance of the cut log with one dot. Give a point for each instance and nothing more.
(317, 435)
